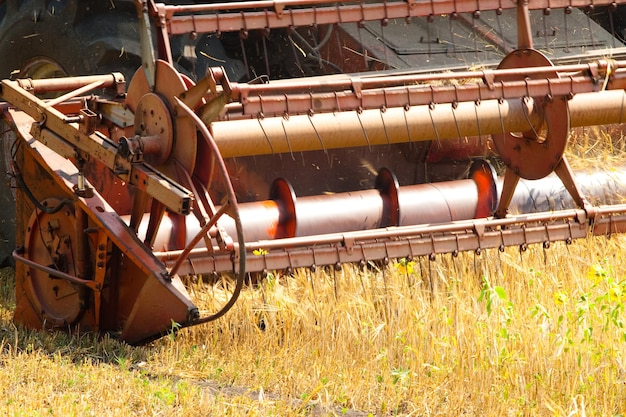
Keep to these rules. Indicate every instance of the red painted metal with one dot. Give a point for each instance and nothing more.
(228, 16)
(176, 157)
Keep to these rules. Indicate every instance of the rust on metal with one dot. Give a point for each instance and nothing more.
(120, 193)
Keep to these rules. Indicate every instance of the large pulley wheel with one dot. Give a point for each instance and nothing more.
(155, 116)
(50, 241)
(536, 152)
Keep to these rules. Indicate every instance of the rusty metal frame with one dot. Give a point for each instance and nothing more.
(67, 137)
(412, 241)
(292, 116)
(226, 16)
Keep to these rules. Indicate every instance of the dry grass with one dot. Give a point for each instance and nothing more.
(529, 333)
(597, 147)
(533, 333)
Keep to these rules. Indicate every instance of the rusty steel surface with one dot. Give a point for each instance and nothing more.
(410, 242)
(228, 16)
(121, 193)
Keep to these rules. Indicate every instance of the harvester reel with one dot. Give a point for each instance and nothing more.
(51, 241)
(534, 154)
(537, 152)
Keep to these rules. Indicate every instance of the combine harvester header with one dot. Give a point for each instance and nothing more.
(222, 161)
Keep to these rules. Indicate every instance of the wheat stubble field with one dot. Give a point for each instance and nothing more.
(539, 332)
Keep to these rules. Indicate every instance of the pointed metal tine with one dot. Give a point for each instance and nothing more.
(431, 107)
(456, 123)
(359, 26)
(546, 13)
(267, 138)
(588, 11)
(384, 22)
(508, 189)
(476, 35)
(612, 23)
(407, 107)
(566, 12)
(265, 54)
(428, 21)
(500, 101)
(243, 35)
(452, 35)
(501, 30)
(317, 133)
(382, 118)
(367, 138)
(339, 46)
(287, 137)
(476, 105)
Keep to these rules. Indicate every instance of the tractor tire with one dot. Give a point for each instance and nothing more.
(45, 39)
(66, 38)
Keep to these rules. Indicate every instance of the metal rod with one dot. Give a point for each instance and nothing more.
(75, 93)
(548, 196)
(17, 255)
(271, 14)
(357, 84)
(410, 242)
(68, 83)
(418, 123)
(271, 104)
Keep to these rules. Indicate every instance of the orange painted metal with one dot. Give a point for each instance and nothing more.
(107, 224)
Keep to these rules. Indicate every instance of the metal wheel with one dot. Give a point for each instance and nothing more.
(538, 151)
(51, 240)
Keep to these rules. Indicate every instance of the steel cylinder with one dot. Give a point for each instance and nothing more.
(286, 215)
(399, 125)
(416, 204)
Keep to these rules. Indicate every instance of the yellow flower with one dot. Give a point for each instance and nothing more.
(560, 297)
(596, 273)
(405, 267)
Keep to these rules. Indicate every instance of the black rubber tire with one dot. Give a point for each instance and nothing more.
(62, 37)
(78, 36)
(7, 197)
